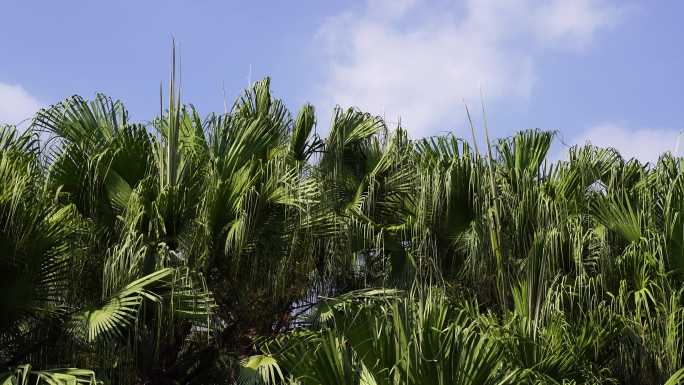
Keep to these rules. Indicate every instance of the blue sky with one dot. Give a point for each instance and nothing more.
(604, 71)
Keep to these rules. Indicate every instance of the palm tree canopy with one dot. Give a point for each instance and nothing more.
(245, 247)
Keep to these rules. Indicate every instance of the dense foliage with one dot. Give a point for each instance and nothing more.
(244, 247)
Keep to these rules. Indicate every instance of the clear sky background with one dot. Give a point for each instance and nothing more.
(604, 71)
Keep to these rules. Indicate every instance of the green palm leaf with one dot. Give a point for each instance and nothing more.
(120, 310)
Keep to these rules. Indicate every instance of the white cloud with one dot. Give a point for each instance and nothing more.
(574, 22)
(645, 144)
(16, 104)
(418, 61)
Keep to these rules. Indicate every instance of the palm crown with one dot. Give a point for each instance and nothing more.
(244, 246)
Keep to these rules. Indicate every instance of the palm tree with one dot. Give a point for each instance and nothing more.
(382, 337)
(172, 250)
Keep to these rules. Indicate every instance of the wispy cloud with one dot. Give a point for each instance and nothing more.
(16, 104)
(645, 144)
(418, 62)
(574, 23)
